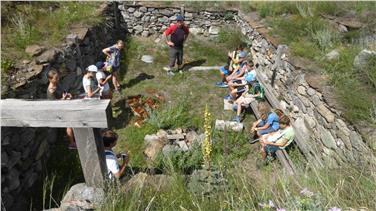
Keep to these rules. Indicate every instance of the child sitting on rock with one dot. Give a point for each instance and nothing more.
(272, 142)
(225, 71)
(113, 168)
(268, 123)
(246, 99)
(241, 85)
(240, 69)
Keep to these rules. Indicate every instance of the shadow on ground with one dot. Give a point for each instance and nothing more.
(193, 64)
(122, 113)
(138, 79)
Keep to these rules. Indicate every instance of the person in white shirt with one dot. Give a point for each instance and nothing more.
(88, 83)
(113, 168)
(103, 81)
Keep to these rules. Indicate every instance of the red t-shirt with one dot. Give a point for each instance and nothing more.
(177, 34)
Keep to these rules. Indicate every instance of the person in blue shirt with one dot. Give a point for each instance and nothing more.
(268, 123)
(113, 59)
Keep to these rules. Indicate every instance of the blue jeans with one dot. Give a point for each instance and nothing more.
(270, 149)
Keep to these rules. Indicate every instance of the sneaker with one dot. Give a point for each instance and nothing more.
(223, 85)
(227, 97)
(252, 141)
(167, 68)
(72, 146)
(236, 119)
(116, 91)
(170, 73)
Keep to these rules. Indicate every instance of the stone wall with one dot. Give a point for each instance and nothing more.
(334, 140)
(24, 150)
(146, 21)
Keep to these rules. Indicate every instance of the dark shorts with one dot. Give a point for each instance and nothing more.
(115, 69)
(270, 149)
(265, 131)
(175, 56)
(240, 89)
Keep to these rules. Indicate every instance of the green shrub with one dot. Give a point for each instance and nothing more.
(6, 66)
(183, 162)
(170, 116)
(231, 38)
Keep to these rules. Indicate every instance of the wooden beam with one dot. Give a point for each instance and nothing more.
(81, 113)
(92, 156)
(203, 68)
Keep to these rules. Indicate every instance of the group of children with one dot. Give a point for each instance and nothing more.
(96, 77)
(95, 82)
(273, 130)
(239, 76)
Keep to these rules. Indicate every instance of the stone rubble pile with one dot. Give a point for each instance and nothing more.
(168, 141)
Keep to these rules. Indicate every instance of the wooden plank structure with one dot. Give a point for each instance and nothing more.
(85, 116)
(282, 155)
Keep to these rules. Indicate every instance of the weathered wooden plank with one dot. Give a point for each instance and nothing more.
(83, 113)
(92, 156)
(203, 68)
(285, 160)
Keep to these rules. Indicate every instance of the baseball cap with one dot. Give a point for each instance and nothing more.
(99, 65)
(242, 54)
(179, 18)
(92, 68)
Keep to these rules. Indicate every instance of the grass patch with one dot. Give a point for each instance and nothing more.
(310, 36)
(45, 24)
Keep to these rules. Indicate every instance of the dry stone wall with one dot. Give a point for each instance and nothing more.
(146, 21)
(330, 137)
(24, 150)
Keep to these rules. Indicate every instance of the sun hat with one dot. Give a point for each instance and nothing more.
(92, 68)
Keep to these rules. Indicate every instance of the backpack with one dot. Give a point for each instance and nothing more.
(257, 88)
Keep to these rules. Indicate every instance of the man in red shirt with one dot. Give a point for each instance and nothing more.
(175, 35)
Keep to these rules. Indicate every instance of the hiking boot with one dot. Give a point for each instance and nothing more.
(167, 68)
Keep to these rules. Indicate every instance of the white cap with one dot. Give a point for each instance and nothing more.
(92, 68)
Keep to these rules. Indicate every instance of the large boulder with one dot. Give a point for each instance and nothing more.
(47, 56)
(152, 149)
(362, 59)
(332, 55)
(82, 197)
